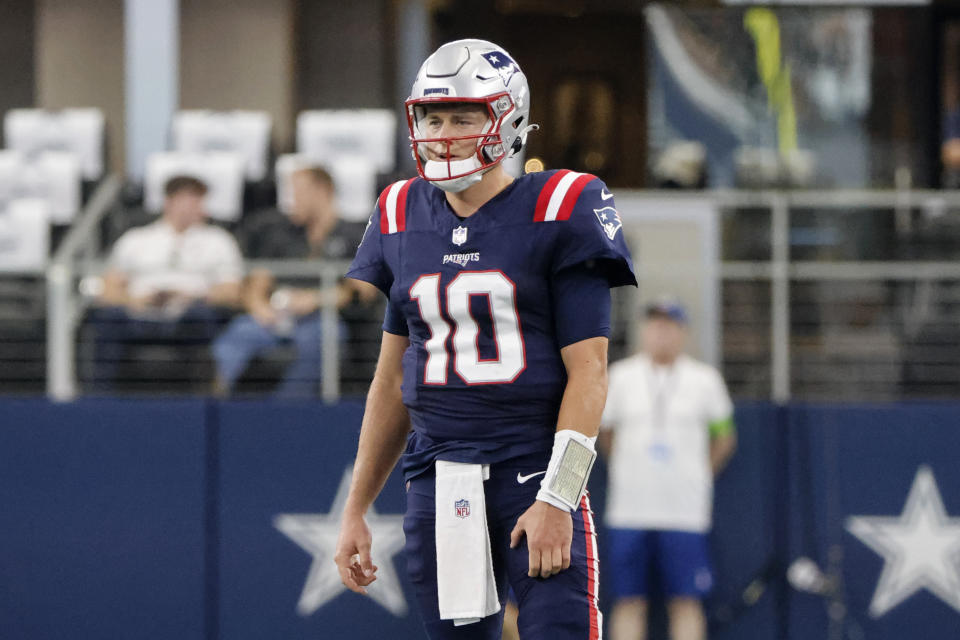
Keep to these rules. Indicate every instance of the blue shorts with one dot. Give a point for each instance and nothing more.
(561, 607)
(678, 558)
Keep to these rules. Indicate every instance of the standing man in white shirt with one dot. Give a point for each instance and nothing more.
(667, 430)
(175, 280)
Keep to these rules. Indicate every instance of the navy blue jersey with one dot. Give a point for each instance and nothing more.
(483, 377)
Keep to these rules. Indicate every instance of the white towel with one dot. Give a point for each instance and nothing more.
(466, 588)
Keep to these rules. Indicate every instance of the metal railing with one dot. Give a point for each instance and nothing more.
(80, 246)
(782, 271)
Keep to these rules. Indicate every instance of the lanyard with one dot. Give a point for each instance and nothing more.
(175, 258)
(662, 381)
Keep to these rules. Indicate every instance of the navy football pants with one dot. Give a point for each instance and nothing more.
(561, 607)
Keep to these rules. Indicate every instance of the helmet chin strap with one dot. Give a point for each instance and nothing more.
(435, 171)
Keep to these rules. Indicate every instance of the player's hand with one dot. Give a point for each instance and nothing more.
(549, 533)
(357, 570)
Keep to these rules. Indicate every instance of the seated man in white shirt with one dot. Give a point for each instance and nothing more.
(667, 429)
(173, 281)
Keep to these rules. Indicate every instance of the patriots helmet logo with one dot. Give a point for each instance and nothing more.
(504, 65)
(462, 508)
(610, 220)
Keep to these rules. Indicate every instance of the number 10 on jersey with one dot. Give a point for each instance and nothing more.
(472, 369)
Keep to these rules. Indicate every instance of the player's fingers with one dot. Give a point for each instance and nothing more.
(534, 558)
(557, 560)
(565, 556)
(363, 581)
(343, 558)
(366, 563)
(361, 577)
(546, 563)
(348, 578)
(516, 535)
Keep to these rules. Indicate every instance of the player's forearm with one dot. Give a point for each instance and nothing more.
(383, 432)
(586, 390)
(582, 403)
(382, 440)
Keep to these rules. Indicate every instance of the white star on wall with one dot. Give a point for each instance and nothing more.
(317, 534)
(920, 548)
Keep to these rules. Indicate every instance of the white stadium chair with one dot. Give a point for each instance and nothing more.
(325, 136)
(356, 181)
(243, 132)
(222, 171)
(52, 176)
(81, 131)
(24, 235)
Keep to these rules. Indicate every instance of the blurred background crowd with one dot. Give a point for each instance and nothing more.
(808, 138)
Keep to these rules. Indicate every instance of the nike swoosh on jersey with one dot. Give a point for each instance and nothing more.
(521, 479)
(606, 195)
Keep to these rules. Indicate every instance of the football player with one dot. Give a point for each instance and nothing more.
(493, 361)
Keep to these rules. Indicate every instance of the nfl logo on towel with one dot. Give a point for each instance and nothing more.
(459, 235)
(462, 508)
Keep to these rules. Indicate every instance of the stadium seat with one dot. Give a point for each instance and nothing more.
(51, 176)
(24, 235)
(243, 132)
(80, 131)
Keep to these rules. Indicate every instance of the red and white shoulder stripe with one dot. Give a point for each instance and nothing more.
(559, 195)
(393, 206)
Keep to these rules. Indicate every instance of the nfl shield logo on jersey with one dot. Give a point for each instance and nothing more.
(459, 235)
(609, 219)
(462, 508)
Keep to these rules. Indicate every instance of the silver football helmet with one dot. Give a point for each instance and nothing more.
(470, 72)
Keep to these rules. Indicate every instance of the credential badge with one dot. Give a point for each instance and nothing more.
(459, 235)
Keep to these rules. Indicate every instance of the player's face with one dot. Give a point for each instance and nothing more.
(443, 121)
(663, 339)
